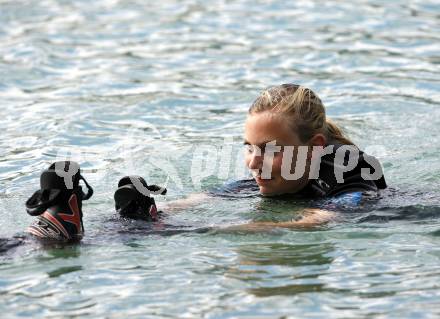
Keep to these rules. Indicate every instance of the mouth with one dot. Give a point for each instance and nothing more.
(262, 181)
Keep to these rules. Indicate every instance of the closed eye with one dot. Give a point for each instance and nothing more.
(249, 148)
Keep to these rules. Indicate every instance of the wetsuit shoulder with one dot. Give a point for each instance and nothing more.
(334, 180)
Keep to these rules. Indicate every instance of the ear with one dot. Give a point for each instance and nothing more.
(318, 140)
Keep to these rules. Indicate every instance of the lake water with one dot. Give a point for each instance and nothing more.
(153, 88)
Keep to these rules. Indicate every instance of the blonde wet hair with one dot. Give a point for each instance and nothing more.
(304, 110)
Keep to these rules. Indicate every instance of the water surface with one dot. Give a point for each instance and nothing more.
(123, 85)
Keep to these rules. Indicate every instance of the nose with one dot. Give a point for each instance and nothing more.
(256, 162)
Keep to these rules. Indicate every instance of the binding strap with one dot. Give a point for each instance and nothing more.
(89, 189)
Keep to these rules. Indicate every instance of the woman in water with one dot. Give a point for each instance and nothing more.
(293, 149)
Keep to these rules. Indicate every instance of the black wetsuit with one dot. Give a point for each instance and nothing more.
(327, 184)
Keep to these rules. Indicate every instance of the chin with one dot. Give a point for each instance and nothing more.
(267, 191)
(268, 188)
(273, 190)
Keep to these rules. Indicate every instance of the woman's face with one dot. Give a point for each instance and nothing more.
(260, 129)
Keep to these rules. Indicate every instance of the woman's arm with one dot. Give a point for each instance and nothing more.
(311, 217)
(184, 203)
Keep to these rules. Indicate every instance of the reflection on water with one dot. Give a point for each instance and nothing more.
(63, 270)
(282, 269)
(285, 255)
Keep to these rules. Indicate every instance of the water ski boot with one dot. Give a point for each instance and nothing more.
(58, 204)
(133, 198)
